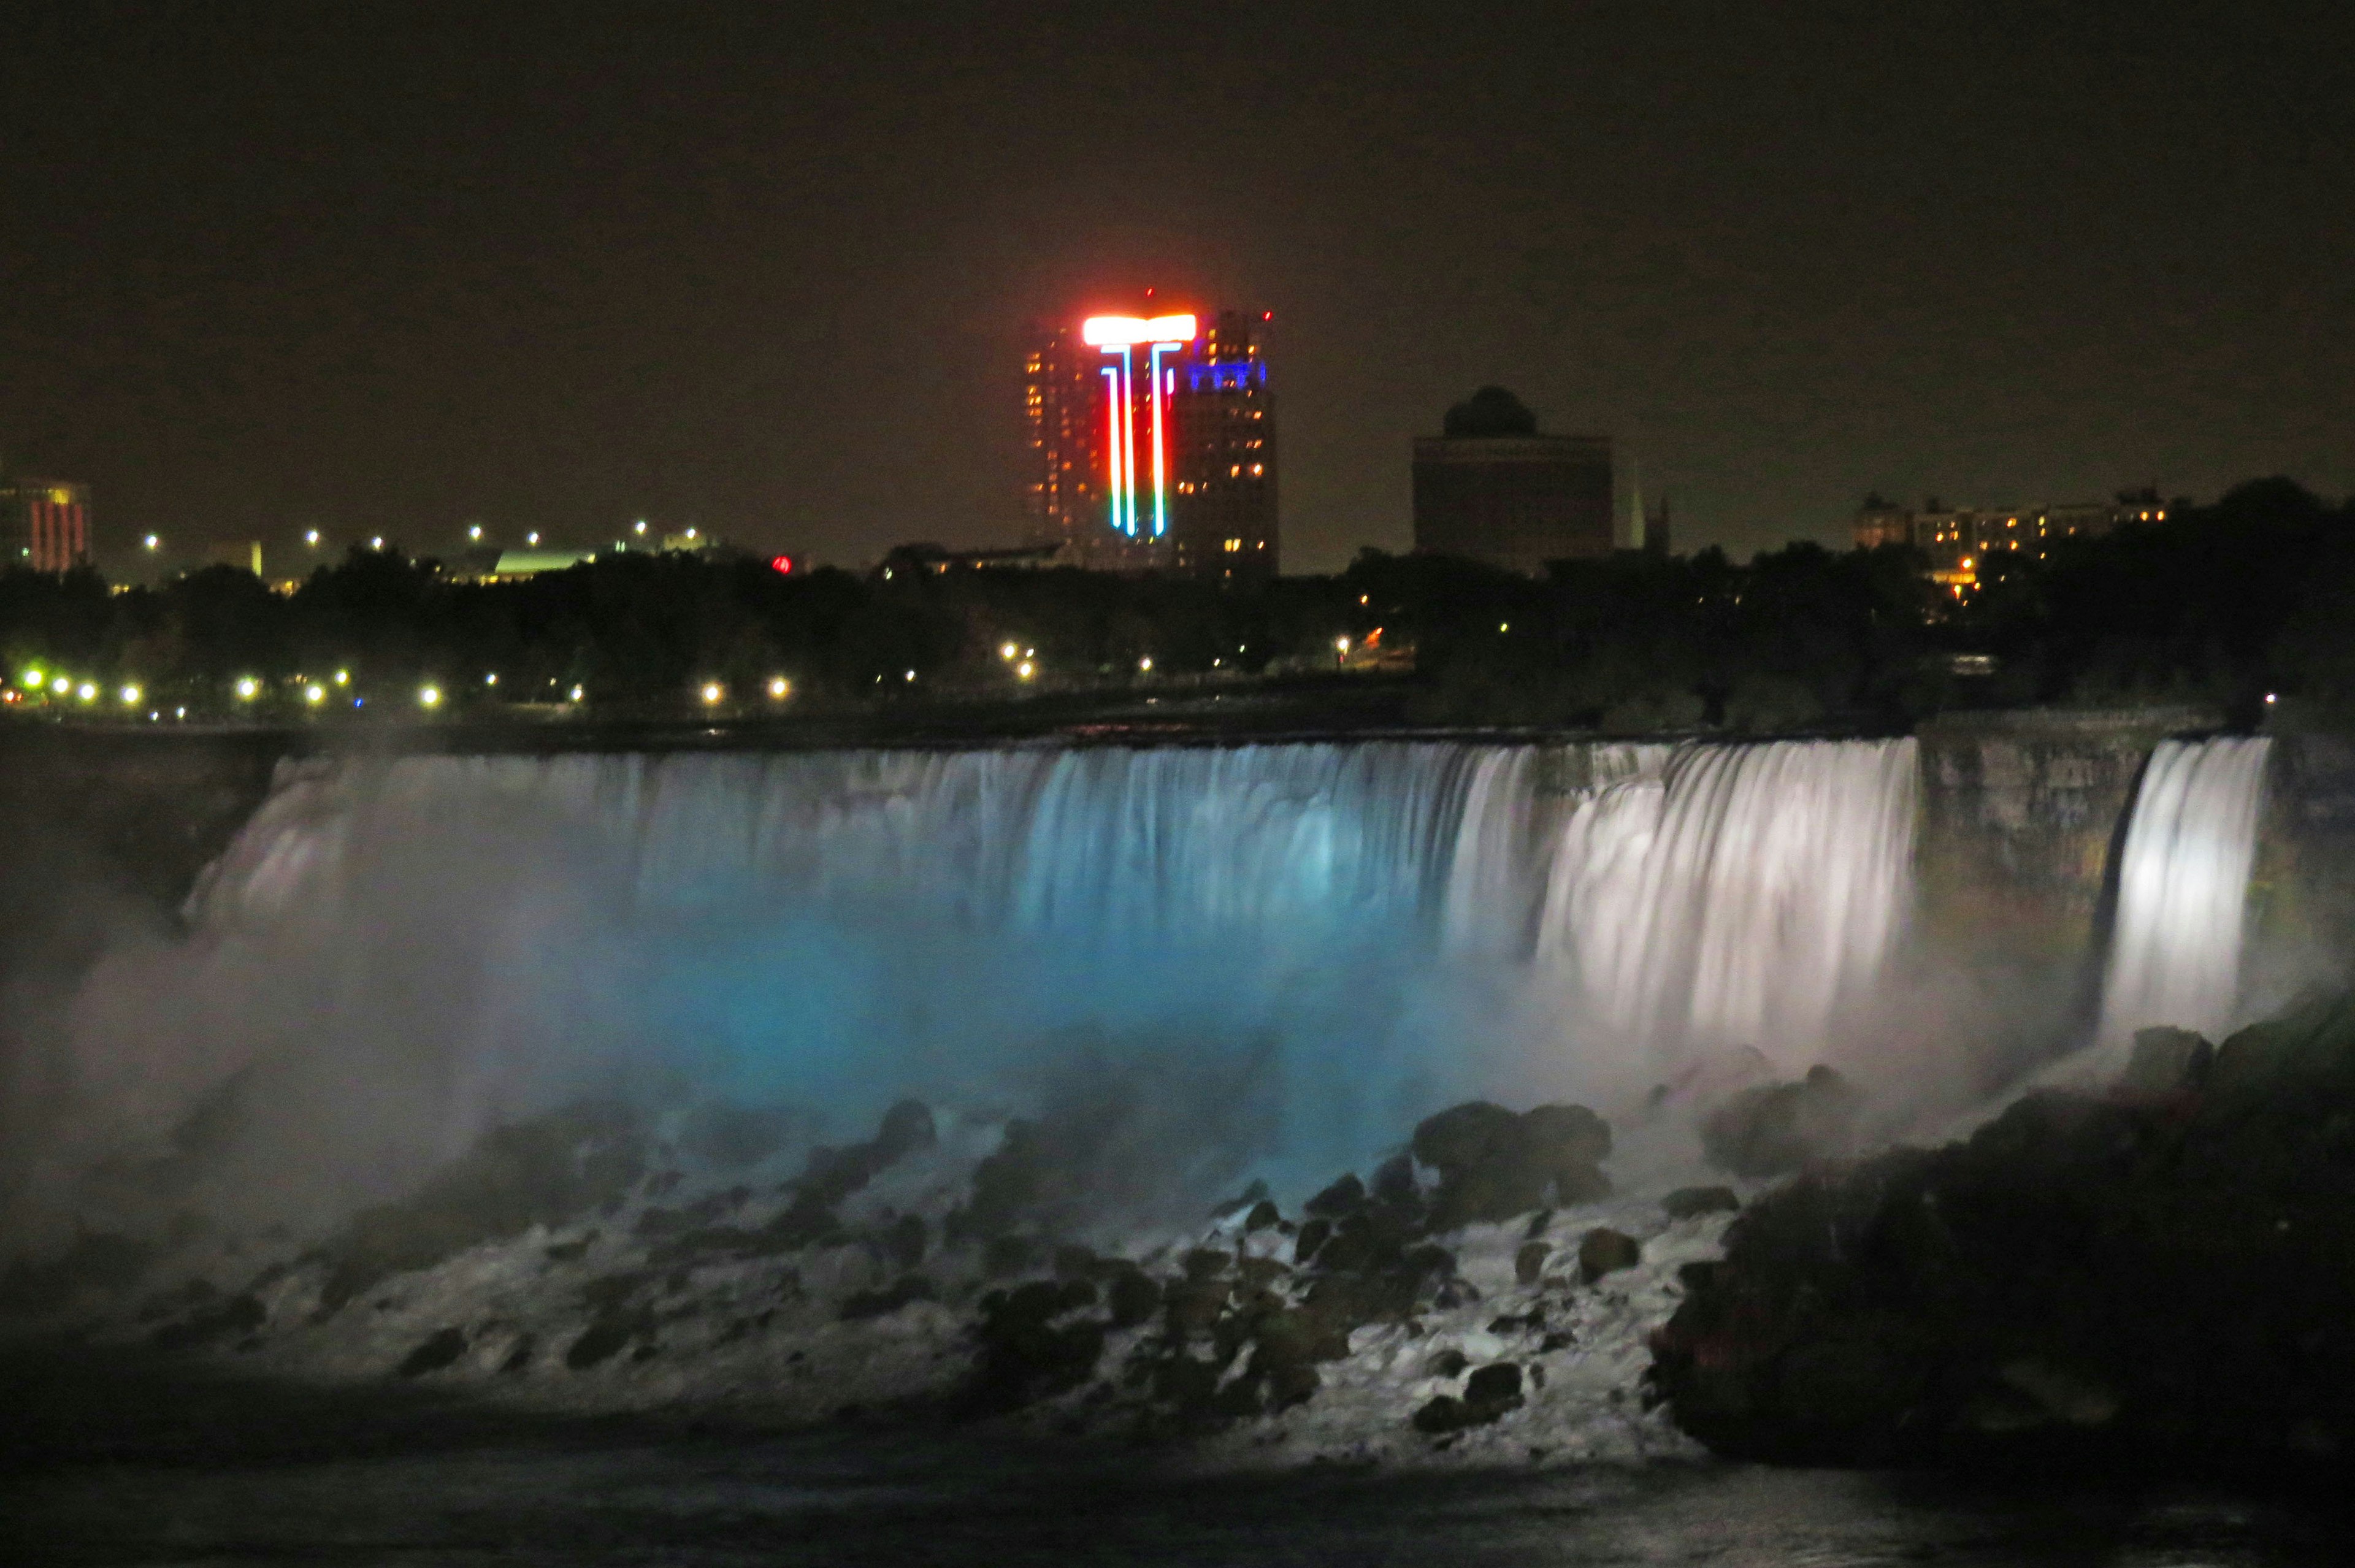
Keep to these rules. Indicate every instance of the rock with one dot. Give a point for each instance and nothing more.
(1025, 1355)
(1264, 1215)
(2157, 1280)
(437, 1352)
(1489, 1394)
(1313, 1235)
(1604, 1251)
(238, 1316)
(1447, 1363)
(1007, 1255)
(2167, 1062)
(601, 1341)
(1256, 1194)
(1495, 1386)
(1776, 1129)
(861, 1305)
(1494, 1164)
(541, 1172)
(907, 1240)
(1690, 1202)
(1134, 1297)
(1346, 1196)
(1529, 1264)
(1441, 1415)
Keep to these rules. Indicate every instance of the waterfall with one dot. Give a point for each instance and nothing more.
(2183, 887)
(1736, 894)
(1320, 942)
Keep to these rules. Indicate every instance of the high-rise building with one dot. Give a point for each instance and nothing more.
(1493, 489)
(44, 523)
(1153, 445)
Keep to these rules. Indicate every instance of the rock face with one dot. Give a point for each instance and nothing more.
(2165, 1272)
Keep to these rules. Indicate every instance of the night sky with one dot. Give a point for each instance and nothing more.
(767, 269)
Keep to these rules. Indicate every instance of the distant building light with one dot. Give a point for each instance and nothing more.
(1006, 652)
(314, 694)
(62, 683)
(377, 543)
(912, 674)
(1026, 669)
(780, 687)
(475, 532)
(491, 679)
(641, 525)
(1145, 662)
(578, 693)
(782, 565)
(343, 677)
(86, 690)
(248, 689)
(713, 691)
(153, 542)
(310, 539)
(531, 538)
(131, 695)
(429, 697)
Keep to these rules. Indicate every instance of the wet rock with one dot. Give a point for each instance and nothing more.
(1529, 1264)
(541, 1172)
(1133, 1298)
(1026, 1354)
(1264, 1215)
(1206, 1263)
(1691, 1202)
(2168, 1062)
(238, 1314)
(573, 1251)
(601, 1341)
(1447, 1363)
(1604, 1251)
(1776, 1129)
(1494, 1387)
(2154, 1280)
(1489, 1394)
(1252, 1195)
(730, 1137)
(99, 1263)
(1346, 1196)
(438, 1351)
(861, 1305)
(1313, 1233)
(907, 1240)
(1007, 1255)
(1494, 1164)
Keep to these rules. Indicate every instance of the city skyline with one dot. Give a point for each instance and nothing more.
(556, 270)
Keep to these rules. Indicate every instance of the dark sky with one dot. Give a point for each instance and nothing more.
(766, 268)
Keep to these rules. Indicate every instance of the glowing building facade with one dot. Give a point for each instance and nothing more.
(1153, 445)
(44, 524)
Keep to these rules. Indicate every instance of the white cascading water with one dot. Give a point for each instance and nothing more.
(2183, 889)
(1736, 895)
(395, 954)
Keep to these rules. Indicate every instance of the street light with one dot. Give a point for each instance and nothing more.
(155, 542)
(312, 539)
(130, 695)
(780, 687)
(248, 689)
(429, 697)
(712, 692)
(314, 694)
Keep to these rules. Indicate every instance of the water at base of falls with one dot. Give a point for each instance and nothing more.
(2183, 884)
(1302, 947)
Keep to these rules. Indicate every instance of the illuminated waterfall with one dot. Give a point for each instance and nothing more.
(2183, 889)
(1738, 892)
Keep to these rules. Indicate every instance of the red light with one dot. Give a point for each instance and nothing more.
(1267, 316)
(782, 563)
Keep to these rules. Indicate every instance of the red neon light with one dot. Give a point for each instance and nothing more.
(782, 563)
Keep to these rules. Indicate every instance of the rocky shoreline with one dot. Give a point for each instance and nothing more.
(2160, 1273)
